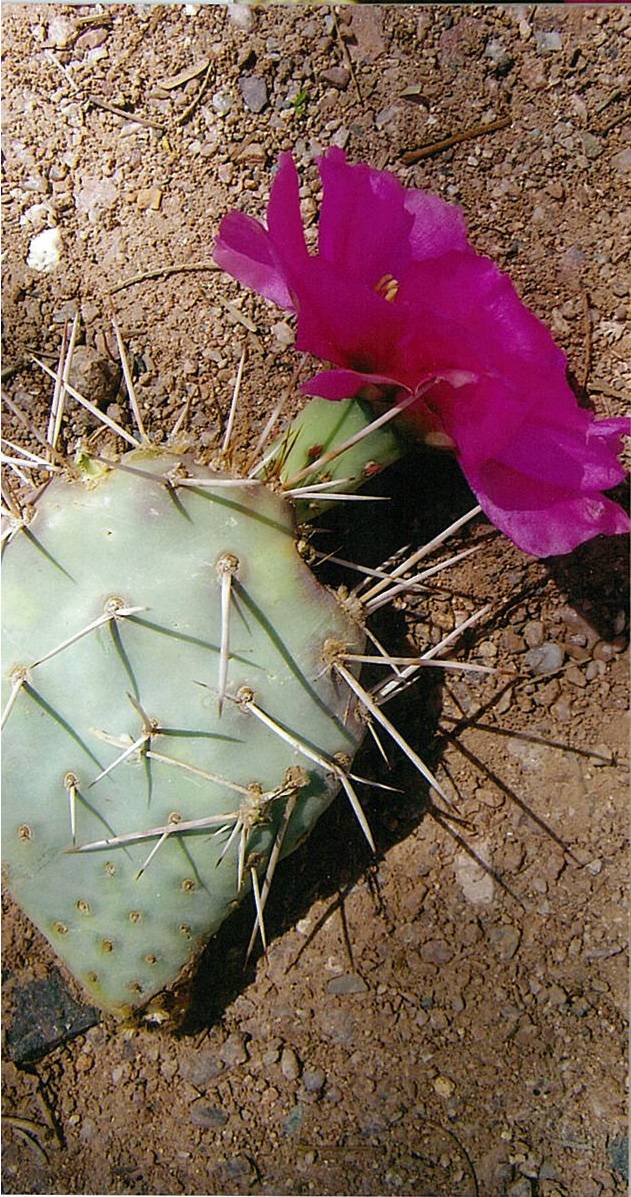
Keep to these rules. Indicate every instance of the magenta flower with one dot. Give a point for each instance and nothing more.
(400, 303)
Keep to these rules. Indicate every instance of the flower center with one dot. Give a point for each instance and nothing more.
(387, 287)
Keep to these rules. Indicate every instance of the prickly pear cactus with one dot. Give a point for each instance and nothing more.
(173, 724)
(125, 729)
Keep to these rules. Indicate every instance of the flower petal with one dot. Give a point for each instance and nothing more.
(370, 225)
(471, 311)
(345, 322)
(244, 249)
(346, 384)
(284, 220)
(543, 519)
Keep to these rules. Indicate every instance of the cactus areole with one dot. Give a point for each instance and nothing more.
(173, 725)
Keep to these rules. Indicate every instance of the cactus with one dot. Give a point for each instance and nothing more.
(177, 704)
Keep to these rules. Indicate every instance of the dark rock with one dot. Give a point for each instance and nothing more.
(618, 1152)
(44, 1015)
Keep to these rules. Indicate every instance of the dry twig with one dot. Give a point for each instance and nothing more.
(163, 272)
(435, 147)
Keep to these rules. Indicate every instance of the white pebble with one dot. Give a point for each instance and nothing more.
(44, 251)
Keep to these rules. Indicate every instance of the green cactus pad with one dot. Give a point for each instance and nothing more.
(96, 549)
(322, 427)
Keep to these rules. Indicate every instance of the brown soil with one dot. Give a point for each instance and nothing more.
(482, 1049)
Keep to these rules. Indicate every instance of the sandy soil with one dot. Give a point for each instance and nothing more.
(421, 1024)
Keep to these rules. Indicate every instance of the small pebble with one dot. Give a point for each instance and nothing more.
(201, 1067)
(603, 651)
(436, 951)
(505, 940)
(289, 1064)
(284, 333)
(533, 633)
(313, 1079)
(347, 983)
(338, 76)
(254, 91)
(575, 677)
(443, 1086)
(512, 642)
(521, 1188)
(293, 1121)
(603, 751)
(620, 620)
(499, 56)
(149, 199)
(592, 146)
(221, 103)
(548, 42)
(546, 658)
(622, 162)
(233, 1051)
(44, 251)
(208, 1116)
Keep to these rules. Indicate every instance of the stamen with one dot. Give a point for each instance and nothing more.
(387, 287)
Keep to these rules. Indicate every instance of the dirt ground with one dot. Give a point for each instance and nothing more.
(446, 1019)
